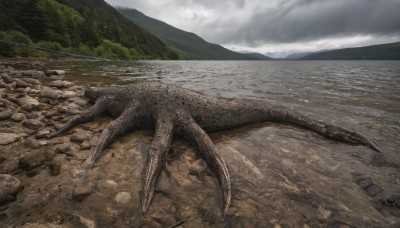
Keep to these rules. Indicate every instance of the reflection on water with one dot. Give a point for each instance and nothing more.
(284, 172)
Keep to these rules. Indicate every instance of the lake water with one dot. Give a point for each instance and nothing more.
(296, 176)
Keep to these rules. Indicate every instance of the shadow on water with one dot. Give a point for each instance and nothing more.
(282, 175)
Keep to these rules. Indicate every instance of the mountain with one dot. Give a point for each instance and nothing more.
(256, 56)
(389, 51)
(186, 43)
(89, 27)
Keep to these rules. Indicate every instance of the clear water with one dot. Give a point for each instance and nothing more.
(281, 172)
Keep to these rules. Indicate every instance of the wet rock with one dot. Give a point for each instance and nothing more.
(123, 198)
(68, 94)
(48, 92)
(64, 148)
(31, 143)
(9, 187)
(33, 124)
(79, 137)
(3, 91)
(54, 72)
(23, 90)
(57, 77)
(81, 191)
(85, 145)
(21, 83)
(43, 134)
(28, 103)
(6, 114)
(32, 81)
(33, 73)
(18, 117)
(6, 78)
(7, 138)
(60, 84)
(11, 86)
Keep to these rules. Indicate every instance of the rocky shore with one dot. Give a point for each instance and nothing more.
(43, 182)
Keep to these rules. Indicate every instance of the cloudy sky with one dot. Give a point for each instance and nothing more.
(279, 26)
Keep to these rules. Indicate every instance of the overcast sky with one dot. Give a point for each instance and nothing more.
(279, 25)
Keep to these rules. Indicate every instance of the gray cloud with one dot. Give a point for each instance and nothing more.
(254, 23)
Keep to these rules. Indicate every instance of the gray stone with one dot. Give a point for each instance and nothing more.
(47, 92)
(28, 103)
(60, 84)
(7, 138)
(6, 114)
(123, 198)
(32, 81)
(33, 73)
(21, 83)
(11, 86)
(9, 187)
(6, 78)
(57, 77)
(33, 124)
(68, 94)
(18, 117)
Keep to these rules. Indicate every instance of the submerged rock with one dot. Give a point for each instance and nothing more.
(33, 124)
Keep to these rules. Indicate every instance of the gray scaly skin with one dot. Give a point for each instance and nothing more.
(175, 110)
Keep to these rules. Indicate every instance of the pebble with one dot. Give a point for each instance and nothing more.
(6, 114)
(33, 124)
(9, 187)
(47, 92)
(123, 197)
(82, 191)
(18, 117)
(7, 138)
(28, 103)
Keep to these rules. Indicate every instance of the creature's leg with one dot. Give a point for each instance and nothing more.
(115, 128)
(283, 114)
(157, 156)
(199, 138)
(96, 110)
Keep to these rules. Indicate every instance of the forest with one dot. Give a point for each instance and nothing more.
(90, 27)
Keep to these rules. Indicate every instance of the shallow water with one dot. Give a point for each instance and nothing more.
(282, 174)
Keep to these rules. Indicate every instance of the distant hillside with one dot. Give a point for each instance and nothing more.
(186, 43)
(89, 27)
(389, 51)
(256, 56)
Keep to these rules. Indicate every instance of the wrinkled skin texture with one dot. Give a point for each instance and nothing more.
(174, 110)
